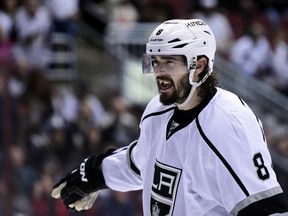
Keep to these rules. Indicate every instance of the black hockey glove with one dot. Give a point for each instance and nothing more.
(80, 183)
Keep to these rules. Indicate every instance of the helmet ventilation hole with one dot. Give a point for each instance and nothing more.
(159, 50)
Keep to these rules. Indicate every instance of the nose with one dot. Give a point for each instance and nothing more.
(160, 69)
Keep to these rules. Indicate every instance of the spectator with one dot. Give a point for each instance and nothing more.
(119, 125)
(6, 26)
(23, 177)
(251, 51)
(39, 96)
(279, 79)
(8, 115)
(94, 141)
(6, 54)
(65, 15)
(5, 42)
(58, 144)
(90, 108)
(122, 11)
(7, 39)
(65, 103)
(32, 26)
(35, 113)
(218, 22)
(87, 134)
(9, 8)
(41, 203)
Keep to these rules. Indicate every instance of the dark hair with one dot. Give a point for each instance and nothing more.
(208, 87)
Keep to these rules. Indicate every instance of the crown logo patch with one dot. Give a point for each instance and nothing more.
(155, 210)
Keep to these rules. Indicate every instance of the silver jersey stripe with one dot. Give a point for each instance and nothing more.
(279, 214)
(254, 198)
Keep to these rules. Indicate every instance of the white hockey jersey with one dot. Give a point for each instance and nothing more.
(212, 160)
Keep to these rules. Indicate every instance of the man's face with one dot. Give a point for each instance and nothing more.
(172, 78)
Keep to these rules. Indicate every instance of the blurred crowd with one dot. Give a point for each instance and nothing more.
(48, 129)
(250, 33)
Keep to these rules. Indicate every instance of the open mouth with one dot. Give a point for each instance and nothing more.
(164, 84)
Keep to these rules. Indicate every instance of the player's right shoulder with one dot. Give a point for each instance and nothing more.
(155, 107)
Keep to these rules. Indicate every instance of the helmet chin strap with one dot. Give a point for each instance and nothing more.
(192, 91)
(194, 85)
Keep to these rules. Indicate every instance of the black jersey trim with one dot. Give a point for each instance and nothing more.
(264, 203)
(170, 131)
(218, 154)
(130, 159)
(242, 101)
(158, 113)
(262, 130)
(185, 117)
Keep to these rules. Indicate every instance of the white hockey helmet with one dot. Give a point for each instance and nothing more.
(187, 37)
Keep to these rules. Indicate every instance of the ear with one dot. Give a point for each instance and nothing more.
(201, 64)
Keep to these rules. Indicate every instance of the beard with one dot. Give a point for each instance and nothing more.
(179, 92)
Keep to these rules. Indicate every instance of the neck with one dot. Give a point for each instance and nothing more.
(193, 102)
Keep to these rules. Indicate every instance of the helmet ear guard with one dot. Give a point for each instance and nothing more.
(193, 64)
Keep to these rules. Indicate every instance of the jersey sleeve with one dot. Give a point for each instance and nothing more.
(241, 176)
(122, 170)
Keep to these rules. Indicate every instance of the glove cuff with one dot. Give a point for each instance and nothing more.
(95, 171)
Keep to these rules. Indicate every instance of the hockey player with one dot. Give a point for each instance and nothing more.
(201, 150)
